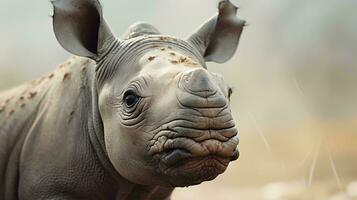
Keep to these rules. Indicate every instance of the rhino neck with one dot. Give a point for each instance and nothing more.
(96, 134)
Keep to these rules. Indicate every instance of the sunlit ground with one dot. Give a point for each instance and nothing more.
(312, 161)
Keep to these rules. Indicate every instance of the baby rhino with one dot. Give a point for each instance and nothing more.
(133, 119)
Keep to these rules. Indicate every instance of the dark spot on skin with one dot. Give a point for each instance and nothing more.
(151, 58)
(187, 61)
(31, 95)
(21, 98)
(70, 116)
(83, 68)
(174, 62)
(2, 108)
(154, 46)
(11, 112)
(66, 76)
(173, 54)
(169, 47)
(51, 76)
(182, 59)
(164, 38)
(163, 49)
(22, 105)
(69, 62)
(61, 66)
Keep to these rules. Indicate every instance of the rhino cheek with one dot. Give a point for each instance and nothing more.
(127, 158)
(112, 136)
(125, 153)
(125, 146)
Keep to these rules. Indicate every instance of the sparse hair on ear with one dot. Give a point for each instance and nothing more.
(80, 28)
(218, 39)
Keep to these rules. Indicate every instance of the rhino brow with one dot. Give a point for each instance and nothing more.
(140, 83)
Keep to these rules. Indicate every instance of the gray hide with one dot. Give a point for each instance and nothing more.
(132, 118)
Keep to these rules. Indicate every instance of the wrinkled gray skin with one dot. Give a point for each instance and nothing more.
(136, 118)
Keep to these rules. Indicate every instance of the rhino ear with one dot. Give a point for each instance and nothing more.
(218, 38)
(80, 28)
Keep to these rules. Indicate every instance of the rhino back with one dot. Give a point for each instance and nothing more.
(17, 109)
(41, 123)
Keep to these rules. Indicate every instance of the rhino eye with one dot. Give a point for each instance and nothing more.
(130, 98)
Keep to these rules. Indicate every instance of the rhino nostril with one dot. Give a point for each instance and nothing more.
(173, 155)
(235, 155)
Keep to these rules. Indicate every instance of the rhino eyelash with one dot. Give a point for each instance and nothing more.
(132, 87)
(136, 88)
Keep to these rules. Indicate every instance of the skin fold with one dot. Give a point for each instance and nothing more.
(129, 118)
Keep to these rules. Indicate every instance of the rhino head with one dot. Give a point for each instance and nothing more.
(166, 118)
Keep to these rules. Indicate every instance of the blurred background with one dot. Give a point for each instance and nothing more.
(294, 79)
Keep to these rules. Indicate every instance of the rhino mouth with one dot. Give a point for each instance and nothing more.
(195, 170)
(179, 156)
(175, 156)
(182, 168)
(191, 157)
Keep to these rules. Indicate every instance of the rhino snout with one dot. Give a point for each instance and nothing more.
(202, 126)
(193, 149)
(198, 136)
(175, 146)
